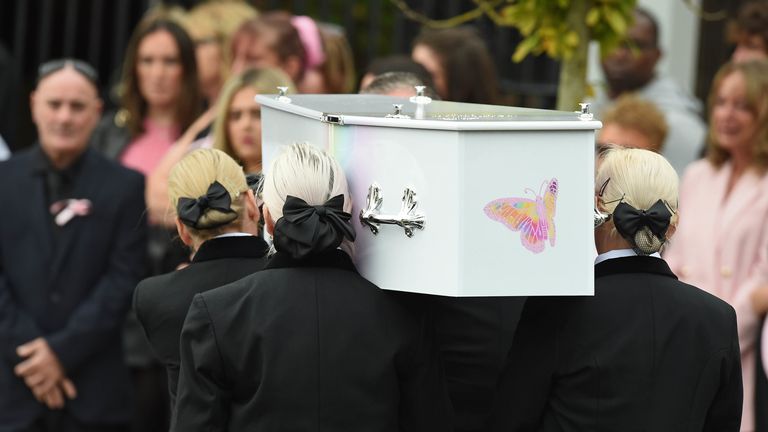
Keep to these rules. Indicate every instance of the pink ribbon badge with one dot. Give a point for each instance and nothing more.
(67, 209)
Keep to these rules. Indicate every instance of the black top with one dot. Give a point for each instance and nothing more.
(646, 353)
(308, 346)
(161, 302)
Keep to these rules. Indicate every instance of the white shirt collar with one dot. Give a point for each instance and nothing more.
(620, 253)
(234, 234)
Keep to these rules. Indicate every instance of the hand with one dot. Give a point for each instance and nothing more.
(42, 372)
(54, 399)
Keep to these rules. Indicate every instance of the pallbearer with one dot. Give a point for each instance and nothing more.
(217, 218)
(647, 352)
(307, 344)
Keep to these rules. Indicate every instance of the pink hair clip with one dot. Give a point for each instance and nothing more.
(309, 34)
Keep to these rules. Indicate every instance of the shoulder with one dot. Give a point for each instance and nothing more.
(113, 170)
(679, 299)
(698, 171)
(236, 289)
(287, 284)
(151, 289)
(17, 162)
(20, 167)
(671, 97)
(711, 305)
(109, 137)
(108, 127)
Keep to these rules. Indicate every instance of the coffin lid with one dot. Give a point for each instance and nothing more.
(371, 110)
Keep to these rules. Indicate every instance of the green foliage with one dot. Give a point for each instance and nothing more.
(546, 29)
(562, 29)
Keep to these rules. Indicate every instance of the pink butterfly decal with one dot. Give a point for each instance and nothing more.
(534, 218)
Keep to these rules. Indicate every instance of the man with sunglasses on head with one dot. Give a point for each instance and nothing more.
(72, 242)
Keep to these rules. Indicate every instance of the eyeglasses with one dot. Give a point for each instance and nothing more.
(80, 66)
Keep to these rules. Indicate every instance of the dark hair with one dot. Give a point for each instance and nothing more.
(390, 81)
(134, 106)
(752, 20)
(646, 14)
(287, 42)
(399, 63)
(470, 72)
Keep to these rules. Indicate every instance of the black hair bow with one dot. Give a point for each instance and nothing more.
(190, 210)
(307, 230)
(629, 220)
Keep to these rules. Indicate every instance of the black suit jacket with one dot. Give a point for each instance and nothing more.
(473, 336)
(307, 346)
(162, 302)
(74, 291)
(646, 353)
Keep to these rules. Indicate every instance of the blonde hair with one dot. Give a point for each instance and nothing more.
(265, 80)
(218, 20)
(639, 178)
(755, 75)
(634, 113)
(191, 177)
(305, 172)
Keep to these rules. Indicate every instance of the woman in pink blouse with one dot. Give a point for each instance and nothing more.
(159, 97)
(721, 244)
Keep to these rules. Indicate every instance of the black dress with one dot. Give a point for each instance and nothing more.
(307, 345)
(646, 353)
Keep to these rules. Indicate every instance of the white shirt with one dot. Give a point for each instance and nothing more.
(234, 234)
(620, 253)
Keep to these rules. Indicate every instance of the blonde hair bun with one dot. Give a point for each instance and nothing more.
(194, 174)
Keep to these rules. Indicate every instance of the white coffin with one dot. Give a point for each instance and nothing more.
(457, 158)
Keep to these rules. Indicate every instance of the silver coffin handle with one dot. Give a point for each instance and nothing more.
(407, 217)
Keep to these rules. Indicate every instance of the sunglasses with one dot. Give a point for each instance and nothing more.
(80, 66)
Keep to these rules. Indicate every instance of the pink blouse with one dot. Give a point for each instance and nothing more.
(721, 246)
(145, 151)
